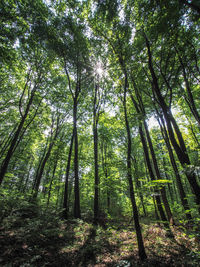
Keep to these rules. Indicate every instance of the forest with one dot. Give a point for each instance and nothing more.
(99, 133)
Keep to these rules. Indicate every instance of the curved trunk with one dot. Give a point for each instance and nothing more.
(13, 143)
(177, 175)
(190, 100)
(41, 170)
(43, 163)
(180, 147)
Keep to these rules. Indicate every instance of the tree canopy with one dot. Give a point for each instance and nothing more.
(100, 113)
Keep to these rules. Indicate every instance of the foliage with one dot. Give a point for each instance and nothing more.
(99, 104)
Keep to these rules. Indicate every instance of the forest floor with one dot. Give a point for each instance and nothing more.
(45, 241)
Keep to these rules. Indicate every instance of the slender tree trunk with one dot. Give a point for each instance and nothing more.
(58, 189)
(41, 170)
(66, 193)
(180, 147)
(52, 178)
(184, 160)
(193, 132)
(27, 178)
(163, 193)
(105, 170)
(96, 183)
(155, 208)
(175, 168)
(190, 100)
(147, 158)
(46, 181)
(170, 190)
(39, 165)
(141, 248)
(43, 163)
(152, 176)
(140, 110)
(10, 152)
(138, 185)
(77, 210)
(96, 166)
(6, 144)
(23, 177)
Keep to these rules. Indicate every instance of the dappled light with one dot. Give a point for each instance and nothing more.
(99, 133)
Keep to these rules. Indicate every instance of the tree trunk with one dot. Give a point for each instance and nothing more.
(5, 144)
(180, 147)
(13, 143)
(190, 100)
(77, 211)
(43, 163)
(27, 178)
(41, 170)
(138, 185)
(157, 171)
(51, 181)
(141, 248)
(175, 168)
(96, 167)
(105, 170)
(152, 176)
(147, 158)
(65, 201)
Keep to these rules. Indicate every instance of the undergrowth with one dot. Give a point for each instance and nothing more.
(32, 235)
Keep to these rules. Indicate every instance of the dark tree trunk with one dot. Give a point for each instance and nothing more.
(58, 190)
(77, 210)
(182, 156)
(13, 143)
(147, 158)
(96, 167)
(189, 99)
(27, 178)
(105, 170)
(141, 248)
(43, 163)
(51, 181)
(193, 132)
(155, 208)
(175, 168)
(96, 182)
(157, 171)
(180, 147)
(6, 144)
(39, 165)
(152, 176)
(41, 170)
(138, 185)
(65, 201)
